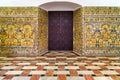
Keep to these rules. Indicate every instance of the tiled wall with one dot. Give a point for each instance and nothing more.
(101, 30)
(43, 31)
(77, 31)
(19, 31)
(23, 31)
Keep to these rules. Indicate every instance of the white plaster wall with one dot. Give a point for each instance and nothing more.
(23, 3)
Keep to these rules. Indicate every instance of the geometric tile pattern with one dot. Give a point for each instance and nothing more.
(23, 31)
(101, 30)
(17, 30)
(42, 30)
(66, 66)
(77, 31)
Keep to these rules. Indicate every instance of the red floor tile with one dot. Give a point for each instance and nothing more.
(49, 72)
(33, 64)
(88, 77)
(97, 73)
(8, 77)
(70, 64)
(89, 63)
(40, 67)
(61, 67)
(73, 72)
(3, 72)
(82, 68)
(25, 73)
(14, 63)
(114, 77)
(35, 77)
(118, 70)
(51, 63)
(19, 68)
(62, 77)
(108, 63)
(103, 67)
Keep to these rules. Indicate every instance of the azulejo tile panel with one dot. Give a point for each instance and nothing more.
(43, 31)
(102, 29)
(19, 30)
(77, 31)
(18, 11)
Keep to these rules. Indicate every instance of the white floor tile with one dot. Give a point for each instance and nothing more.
(98, 63)
(21, 78)
(13, 72)
(61, 63)
(48, 78)
(85, 72)
(5, 63)
(109, 72)
(102, 78)
(42, 63)
(115, 63)
(1, 78)
(71, 67)
(61, 72)
(113, 67)
(9, 67)
(75, 78)
(93, 67)
(23, 64)
(37, 72)
(79, 64)
(50, 67)
(29, 67)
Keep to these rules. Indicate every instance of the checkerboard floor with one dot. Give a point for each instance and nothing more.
(60, 65)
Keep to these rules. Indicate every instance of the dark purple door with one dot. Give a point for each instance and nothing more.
(60, 30)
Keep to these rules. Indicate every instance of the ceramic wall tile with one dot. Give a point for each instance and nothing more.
(19, 28)
(77, 31)
(42, 31)
(102, 30)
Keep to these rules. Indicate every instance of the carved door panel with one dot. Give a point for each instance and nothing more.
(60, 30)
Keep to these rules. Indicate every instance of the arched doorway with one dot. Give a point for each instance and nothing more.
(60, 24)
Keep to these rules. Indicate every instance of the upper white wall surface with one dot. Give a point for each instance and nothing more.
(26, 3)
(60, 6)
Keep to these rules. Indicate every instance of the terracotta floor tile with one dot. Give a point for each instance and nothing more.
(61, 67)
(33, 64)
(40, 67)
(3, 72)
(88, 77)
(103, 67)
(35, 77)
(1, 66)
(82, 68)
(97, 73)
(25, 73)
(103, 58)
(89, 63)
(9, 77)
(49, 72)
(73, 72)
(62, 77)
(19, 68)
(108, 63)
(114, 77)
(118, 70)
(70, 64)
(61, 59)
(51, 63)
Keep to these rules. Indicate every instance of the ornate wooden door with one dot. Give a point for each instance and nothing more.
(60, 30)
